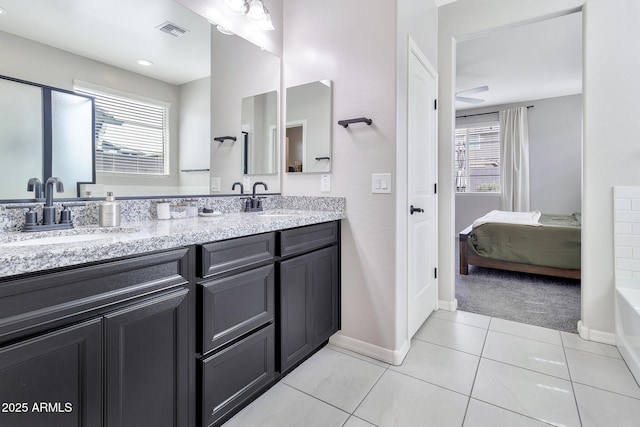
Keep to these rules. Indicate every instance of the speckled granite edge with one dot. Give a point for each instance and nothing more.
(138, 237)
(145, 209)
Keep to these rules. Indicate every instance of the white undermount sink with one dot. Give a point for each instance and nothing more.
(77, 237)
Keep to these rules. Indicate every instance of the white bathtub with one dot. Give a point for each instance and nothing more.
(627, 309)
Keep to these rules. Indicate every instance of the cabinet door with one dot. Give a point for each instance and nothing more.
(296, 315)
(54, 379)
(326, 298)
(147, 363)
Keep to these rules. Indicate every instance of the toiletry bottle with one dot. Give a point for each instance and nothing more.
(164, 211)
(109, 215)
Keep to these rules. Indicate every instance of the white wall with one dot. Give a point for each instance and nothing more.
(555, 156)
(31, 61)
(195, 134)
(367, 64)
(465, 19)
(611, 155)
(610, 115)
(360, 60)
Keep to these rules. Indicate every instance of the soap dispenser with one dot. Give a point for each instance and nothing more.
(109, 212)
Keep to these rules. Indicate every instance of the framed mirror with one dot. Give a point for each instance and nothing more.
(308, 133)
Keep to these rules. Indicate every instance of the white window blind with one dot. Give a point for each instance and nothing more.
(477, 159)
(131, 135)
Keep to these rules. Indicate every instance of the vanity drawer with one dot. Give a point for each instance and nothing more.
(303, 239)
(235, 305)
(38, 302)
(227, 255)
(234, 375)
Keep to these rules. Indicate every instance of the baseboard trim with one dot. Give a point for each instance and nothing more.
(394, 357)
(448, 305)
(594, 335)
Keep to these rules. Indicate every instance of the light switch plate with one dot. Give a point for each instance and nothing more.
(215, 185)
(381, 183)
(325, 183)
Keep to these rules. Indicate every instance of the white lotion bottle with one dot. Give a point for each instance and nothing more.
(109, 212)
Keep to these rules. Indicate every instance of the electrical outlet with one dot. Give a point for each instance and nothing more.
(325, 183)
(246, 183)
(215, 185)
(381, 183)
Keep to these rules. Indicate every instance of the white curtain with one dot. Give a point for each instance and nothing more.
(514, 159)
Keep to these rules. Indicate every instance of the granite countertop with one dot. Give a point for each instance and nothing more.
(93, 243)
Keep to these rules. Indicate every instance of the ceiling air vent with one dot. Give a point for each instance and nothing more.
(172, 29)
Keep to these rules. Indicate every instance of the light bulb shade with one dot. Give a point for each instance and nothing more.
(239, 7)
(266, 24)
(256, 11)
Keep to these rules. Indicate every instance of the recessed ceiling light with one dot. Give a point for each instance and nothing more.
(145, 62)
(2, 11)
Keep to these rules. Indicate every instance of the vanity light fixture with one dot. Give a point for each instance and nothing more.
(223, 30)
(255, 11)
(239, 7)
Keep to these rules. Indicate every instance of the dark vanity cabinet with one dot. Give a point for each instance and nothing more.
(106, 344)
(182, 337)
(265, 303)
(309, 291)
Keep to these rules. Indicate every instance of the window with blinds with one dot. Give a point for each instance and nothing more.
(132, 136)
(477, 159)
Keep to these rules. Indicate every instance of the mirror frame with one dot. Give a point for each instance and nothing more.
(47, 135)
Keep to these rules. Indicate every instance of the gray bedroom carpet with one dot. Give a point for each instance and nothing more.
(528, 298)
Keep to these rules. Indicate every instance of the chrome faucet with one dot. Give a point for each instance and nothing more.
(49, 211)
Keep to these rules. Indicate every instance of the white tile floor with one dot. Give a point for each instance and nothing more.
(463, 369)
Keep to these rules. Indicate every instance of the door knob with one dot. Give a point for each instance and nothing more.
(412, 210)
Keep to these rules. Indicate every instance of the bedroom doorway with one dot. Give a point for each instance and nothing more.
(537, 65)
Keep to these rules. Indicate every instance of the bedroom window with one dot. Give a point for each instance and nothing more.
(477, 159)
(132, 134)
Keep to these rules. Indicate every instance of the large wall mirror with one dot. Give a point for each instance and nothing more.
(245, 88)
(103, 47)
(308, 133)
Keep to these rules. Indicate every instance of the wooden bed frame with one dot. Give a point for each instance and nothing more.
(469, 257)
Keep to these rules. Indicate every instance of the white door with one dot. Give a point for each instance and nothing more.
(422, 198)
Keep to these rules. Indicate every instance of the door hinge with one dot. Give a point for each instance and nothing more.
(435, 188)
(435, 104)
(435, 273)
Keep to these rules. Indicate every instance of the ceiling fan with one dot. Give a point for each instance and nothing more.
(468, 100)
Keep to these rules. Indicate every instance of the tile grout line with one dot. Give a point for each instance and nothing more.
(475, 376)
(573, 389)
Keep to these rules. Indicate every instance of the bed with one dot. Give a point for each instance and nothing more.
(550, 247)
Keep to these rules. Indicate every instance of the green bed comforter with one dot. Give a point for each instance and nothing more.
(554, 244)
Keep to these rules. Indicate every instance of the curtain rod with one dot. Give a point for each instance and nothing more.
(482, 114)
